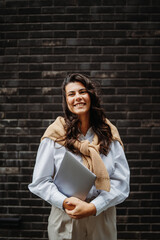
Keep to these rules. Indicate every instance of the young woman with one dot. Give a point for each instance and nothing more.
(94, 141)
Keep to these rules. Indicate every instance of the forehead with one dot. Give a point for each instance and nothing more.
(74, 86)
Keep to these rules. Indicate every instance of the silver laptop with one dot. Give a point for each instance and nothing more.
(73, 178)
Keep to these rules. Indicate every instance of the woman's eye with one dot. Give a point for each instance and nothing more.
(71, 94)
(83, 91)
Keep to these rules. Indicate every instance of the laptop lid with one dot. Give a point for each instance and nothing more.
(73, 178)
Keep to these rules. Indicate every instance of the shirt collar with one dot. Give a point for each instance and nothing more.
(89, 135)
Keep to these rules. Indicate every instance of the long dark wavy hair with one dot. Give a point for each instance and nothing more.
(97, 116)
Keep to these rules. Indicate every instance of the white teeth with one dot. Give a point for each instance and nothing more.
(79, 104)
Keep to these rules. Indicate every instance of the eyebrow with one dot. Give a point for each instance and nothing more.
(75, 91)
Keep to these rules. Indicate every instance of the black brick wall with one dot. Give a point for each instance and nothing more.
(116, 43)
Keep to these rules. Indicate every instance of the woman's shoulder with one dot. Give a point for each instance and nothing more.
(115, 133)
(116, 147)
(46, 141)
(55, 130)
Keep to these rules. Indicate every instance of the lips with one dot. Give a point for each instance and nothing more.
(79, 104)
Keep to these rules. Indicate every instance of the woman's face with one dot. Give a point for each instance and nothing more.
(78, 99)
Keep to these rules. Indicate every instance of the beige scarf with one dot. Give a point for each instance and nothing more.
(90, 151)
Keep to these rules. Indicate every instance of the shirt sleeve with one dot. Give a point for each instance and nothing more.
(119, 181)
(42, 182)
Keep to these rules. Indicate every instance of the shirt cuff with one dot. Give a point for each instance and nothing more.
(100, 205)
(58, 200)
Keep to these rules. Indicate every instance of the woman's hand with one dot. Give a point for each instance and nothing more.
(77, 208)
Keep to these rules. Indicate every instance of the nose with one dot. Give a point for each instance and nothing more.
(78, 96)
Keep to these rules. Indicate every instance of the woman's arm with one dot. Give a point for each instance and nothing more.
(120, 180)
(42, 182)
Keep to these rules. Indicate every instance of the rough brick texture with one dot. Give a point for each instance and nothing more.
(116, 43)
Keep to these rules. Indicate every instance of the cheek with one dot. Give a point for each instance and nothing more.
(69, 103)
(88, 100)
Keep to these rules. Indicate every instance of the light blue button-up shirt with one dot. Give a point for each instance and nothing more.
(48, 160)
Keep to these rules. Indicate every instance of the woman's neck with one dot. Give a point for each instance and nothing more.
(84, 125)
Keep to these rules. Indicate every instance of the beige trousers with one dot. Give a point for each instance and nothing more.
(101, 227)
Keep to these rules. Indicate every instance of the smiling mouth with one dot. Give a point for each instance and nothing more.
(79, 105)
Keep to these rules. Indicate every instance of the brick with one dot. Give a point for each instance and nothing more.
(30, 75)
(44, 99)
(65, 50)
(29, 42)
(57, 66)
(107, 81)
(89, 3)
(139, 50)
(125, 107)
(155, 99)
(141, 18)
(155, 66)
(68, 18)
(102, 9)
(137, 115)
(75, 58)
(149, 9)
(30, 10)
(53, 26)
(115, 50)
(76, 42)
(114, 2)
(135, 2)
(150, 26)
(139, 83)
(102, 26)
(89, 34)
(150, 91)
(8, 59)
(138, 66)
(124, 42)
(127, 74)
(127, 58)
(114, 99)
(150, 74)
(131, 91)
(86, 66)
(42, 67)
(155, 83)
(127, 26)
(10, 4)
(40, 18)
(7, 170)
(102, 42)
(138, 99)
(65, 34)
(31, 59)
(139, 131)
(90, 50)
(108, 66)
(52, 59)
(63, 3)
(150, 42)
(52, 10)
(76, 10)
(150, 140)
(78, 26)
(44, 34)
(30, 91)
(115, 34)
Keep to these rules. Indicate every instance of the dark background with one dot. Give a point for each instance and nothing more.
(116, 42)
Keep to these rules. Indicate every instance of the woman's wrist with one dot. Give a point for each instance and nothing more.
(93, 209)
